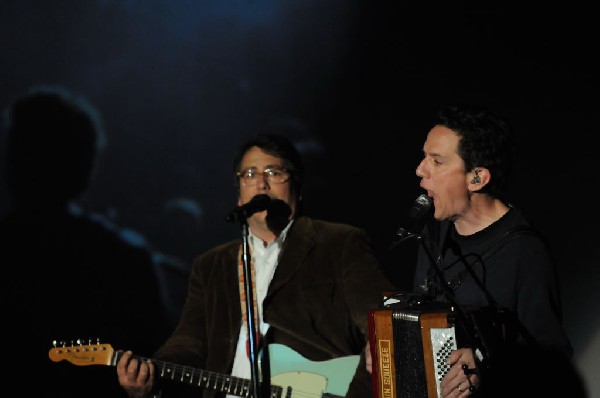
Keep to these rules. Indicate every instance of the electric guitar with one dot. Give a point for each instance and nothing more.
(292, 375)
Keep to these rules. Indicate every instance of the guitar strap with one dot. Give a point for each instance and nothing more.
(243, 299)
(265, 366)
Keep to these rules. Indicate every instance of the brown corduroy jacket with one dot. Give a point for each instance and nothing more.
(327, 280)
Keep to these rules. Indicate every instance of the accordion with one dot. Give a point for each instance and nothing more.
(410, 340)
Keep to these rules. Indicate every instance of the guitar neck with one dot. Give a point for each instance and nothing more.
(206, 379)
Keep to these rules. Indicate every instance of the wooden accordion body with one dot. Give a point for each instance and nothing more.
(411, 340)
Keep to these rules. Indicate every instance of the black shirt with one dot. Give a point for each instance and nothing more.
(484, 270)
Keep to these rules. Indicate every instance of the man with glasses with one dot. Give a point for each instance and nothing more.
(315, 282)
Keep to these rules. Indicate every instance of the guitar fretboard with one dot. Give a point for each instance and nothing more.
(206, 379)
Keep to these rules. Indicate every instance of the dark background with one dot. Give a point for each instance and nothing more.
(180, 83)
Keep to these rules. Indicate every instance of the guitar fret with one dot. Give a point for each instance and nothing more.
(246, 384)
(194, 373)
(241, 390)
(191, 376)
(245, 388)
(200, 377)
(185, 375)
(224, 385)
(205, 381)
(166, 371)
(208, 381)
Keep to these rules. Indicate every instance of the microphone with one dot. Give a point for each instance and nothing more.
(257, 203)
(278, 216)
(419, 208)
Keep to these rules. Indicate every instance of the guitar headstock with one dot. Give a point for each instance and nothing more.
(82, 354)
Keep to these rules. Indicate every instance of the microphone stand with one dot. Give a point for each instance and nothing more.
(251, 327)
(469, 327)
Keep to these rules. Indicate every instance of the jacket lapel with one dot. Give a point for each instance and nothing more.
(300, 240)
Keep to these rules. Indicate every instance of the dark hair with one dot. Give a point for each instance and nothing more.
(486, 140)
(53, 140)
(278, 146)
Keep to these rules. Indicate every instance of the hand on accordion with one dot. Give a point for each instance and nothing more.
(461, 379)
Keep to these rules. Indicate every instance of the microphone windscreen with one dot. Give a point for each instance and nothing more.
(257, 203)
(420, 206)
(278, 215)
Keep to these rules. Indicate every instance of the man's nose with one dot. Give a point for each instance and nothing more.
(263, 182)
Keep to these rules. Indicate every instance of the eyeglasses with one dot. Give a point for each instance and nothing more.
(274, 175)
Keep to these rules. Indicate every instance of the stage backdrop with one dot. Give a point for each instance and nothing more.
(180, 83)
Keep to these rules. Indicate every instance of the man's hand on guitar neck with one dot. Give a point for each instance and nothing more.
(135, 376)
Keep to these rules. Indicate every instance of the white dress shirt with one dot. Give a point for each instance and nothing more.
(265, 260)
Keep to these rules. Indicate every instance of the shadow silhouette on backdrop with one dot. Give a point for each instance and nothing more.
(69, 274)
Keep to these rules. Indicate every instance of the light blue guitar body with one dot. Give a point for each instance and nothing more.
(325, 378)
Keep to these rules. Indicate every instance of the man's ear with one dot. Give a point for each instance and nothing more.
(476, 178)
(480, 176)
